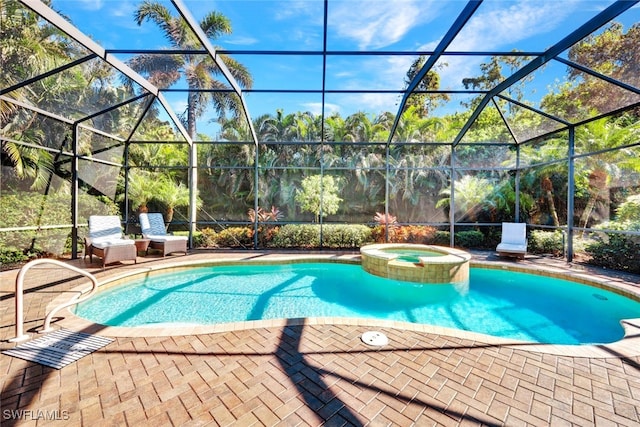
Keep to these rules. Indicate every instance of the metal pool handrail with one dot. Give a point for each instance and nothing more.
(20, 335)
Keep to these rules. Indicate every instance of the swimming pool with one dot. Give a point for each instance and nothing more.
(500, 303)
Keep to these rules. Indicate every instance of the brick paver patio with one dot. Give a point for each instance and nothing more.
(305, 374)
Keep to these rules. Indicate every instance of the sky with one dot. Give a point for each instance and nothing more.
(353, 26)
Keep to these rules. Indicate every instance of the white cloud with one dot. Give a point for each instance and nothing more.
(122, 9)
(374, 25)
(241, 41)
(378, 72)
(497, 26)
(90, 4)
(312, 11)
(316, 108)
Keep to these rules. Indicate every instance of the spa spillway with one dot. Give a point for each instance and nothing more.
(416, 263)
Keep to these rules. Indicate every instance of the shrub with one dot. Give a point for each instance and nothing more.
(335, 236)
(427, 235)
(414, 234)
(442, 238)
(546, 242)
(198, 239)
(209, 237)
(345, 236)
(11, 255)
(233, 237)
(266, 235)
(33, 209)
(617, 252)
(378, 234)
(423, 234)
(298, 236)
(469, 239)
(629, 210)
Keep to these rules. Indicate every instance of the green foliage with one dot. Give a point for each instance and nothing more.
(427, 235)
(469, 239)
(546, 242)
(629, 210)
(335, 236)
(319, 195)
(298, 236)
(472, 194)
(198, 238)
(233, 237)
(345, 236)
(26, 209)
(442, 238)
(208, 238)
(616, 251)
(141, 188)
(422, 234)
(199, 71)
(10, 256)
(146, 187)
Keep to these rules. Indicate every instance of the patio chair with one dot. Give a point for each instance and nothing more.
(106, 241)
(514, 240)
(153, 228)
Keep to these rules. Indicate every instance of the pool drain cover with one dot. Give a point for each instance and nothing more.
(375, 338)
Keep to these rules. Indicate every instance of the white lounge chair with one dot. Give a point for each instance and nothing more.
(153, 228)
(514, 240)
(105, 240)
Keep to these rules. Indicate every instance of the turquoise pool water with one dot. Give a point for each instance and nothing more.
(412, 255)
(499, 303)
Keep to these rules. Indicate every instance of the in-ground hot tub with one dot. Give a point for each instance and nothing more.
(416, 263)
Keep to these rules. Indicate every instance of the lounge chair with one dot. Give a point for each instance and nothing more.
(514, 240)
(106, 241)
(153, 228)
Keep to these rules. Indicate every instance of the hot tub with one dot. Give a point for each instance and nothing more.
(416, 263)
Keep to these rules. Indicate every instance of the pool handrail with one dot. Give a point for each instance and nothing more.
(20, 335)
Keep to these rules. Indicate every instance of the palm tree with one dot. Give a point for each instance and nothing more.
(199, 71)
(173, 195)
(602, 169)
(142, 188)
(29, 48)
(472, 194)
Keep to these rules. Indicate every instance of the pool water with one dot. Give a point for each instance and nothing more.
(499, 303)
(412, 255)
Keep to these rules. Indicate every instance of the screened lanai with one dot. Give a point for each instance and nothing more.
(323, 124)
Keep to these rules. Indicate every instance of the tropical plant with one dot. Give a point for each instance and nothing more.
(319, 195)
(603, 168)
(28, 48)
(472, 193)
(385, 219)
(629, 210)
(199, 71)
(141, 189)
(173, 195)
(265, 216)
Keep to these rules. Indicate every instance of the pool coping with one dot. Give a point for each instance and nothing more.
(628, 346)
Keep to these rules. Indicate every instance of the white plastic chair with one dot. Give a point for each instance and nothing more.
(514, 240)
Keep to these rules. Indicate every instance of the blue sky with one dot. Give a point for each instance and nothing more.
(374, 25)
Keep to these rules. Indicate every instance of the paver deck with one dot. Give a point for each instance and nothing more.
(307, 373)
